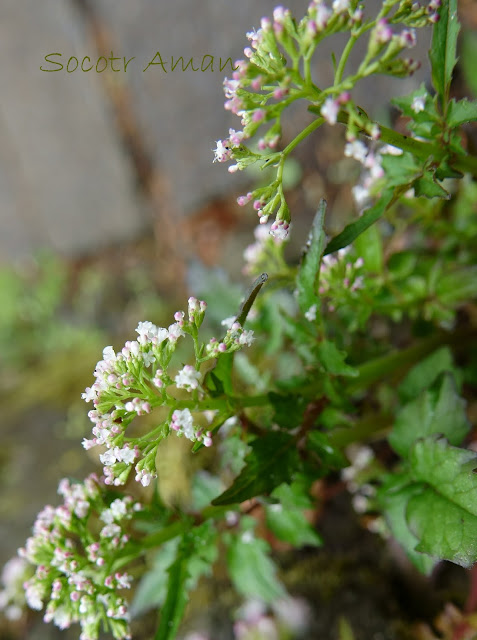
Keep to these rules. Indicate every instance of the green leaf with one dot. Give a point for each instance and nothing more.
(425, 373)
(286, 519)
(393, 497)
(428, 187)
(438, 410)
(468, 58)
(449, 470)
(219, 379)
(249, 299)
(197, 551)
(288, 408)
(251, 570)
(458, 287)
(330, 457)
(174, 606)
(205, 487)
(460, 112)
(402, 169)
(445, 530)
(443, 49)
(354, 229)
(369, 247)
(273, 460)
(152, 589)
(333, 360)
(290, 525)
(309, 271)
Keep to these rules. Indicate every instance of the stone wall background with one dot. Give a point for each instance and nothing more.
(75, 149)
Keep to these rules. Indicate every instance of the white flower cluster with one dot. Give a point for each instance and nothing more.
(334, 267)
(131, 383)
(235, 338)
(371, 161)
(256, 252)
(135, 380)
(72, 575)
(361, 456)
(12, 597)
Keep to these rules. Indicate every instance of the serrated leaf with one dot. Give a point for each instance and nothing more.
(273, 460)
(251, 570)
(333, 360)
(309, 270)
(152, 589)
(393, 497)
(401, 169)
(195, 554)
(356, 228)
(288, 408)
(460, 112)
(428, 187)
(425, 373)
(449, 470)
(443, 49)
(445, 530)
(176, 600)
(438, 410)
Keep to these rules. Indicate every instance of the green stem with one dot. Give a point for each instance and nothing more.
(344, 59)
(299, 138)
(169, 532)
(422, 150)
(394, 363)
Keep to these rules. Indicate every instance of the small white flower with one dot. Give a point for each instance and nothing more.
(246, 338)
(356, 150)
(391, 150)
(222, 152)
(109, 354)
(228, 322)
(108, 458)
(89, 394)
(187, 378)
(330, 110)
(339, 6)
(323, 14)
(418, 104)
(148, 358)
(127, 455)
(110, 531)
(310, 315)
(118, 509)
(360, 195)
(182, 422)
(175, 332)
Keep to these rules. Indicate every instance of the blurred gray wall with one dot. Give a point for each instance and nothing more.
(68, 181)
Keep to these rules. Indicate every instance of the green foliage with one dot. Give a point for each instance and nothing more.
(308, 273)
(443, 50)
(363, 353)
(437, 410)
(272, 460)
(195, 553)
(285, 517)
(251, 569)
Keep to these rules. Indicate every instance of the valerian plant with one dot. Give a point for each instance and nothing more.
(371, 338)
